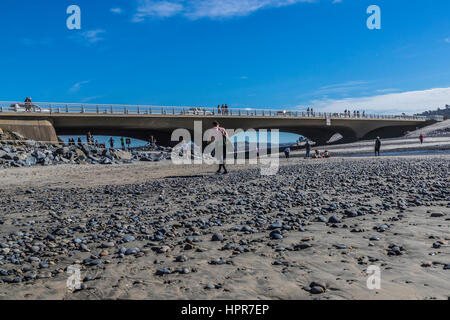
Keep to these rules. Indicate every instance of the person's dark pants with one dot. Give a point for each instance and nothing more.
(308, 153)
(224, 158)
(377, 152)
(287, 155)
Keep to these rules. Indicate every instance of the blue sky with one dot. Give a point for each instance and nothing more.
(285, 54)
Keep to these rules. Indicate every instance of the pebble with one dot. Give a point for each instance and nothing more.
(163, 271)
(217, 237)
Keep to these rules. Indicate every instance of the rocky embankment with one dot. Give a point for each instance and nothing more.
(25, 155)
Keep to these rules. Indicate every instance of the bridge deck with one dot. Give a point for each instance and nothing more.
(55, 109)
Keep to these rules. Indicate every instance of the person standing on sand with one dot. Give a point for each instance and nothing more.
(111, 143)
(122, 142)
(421, 138)
(287, 152)
(377, 146)
(220, 151)
(308, 149)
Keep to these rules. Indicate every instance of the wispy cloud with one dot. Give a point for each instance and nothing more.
(197, 9)
(36, 42)
(116, 10)
(93, 36)
(89, 99)
(408, 102)
(337, 1)
(342, 88)
(89, 37)
(161, 9)
(387, 90)
(447, 40)
(77, 86)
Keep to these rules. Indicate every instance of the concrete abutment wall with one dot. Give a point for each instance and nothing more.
(37, 130)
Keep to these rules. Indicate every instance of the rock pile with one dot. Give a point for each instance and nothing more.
(26, 155)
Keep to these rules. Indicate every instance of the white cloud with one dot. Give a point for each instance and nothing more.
(447, 40)
(116, 10)
(197, 9)
(408, 102)
(162, 9)
(337, 1)
(93, 36)
(77, 86)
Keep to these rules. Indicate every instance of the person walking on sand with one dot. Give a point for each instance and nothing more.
(308, 149)
(421, 138)
(122, 142)
(220, 150)
(287, 152)
(377, 146)
(111, 143)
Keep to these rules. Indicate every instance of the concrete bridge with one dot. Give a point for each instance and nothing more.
(47, 120)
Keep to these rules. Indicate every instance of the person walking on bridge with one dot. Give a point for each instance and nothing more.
(377, 146)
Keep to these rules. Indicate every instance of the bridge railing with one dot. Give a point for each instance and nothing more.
(77, 108)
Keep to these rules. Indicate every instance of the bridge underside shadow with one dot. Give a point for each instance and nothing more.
(318, 132)
(318, 135)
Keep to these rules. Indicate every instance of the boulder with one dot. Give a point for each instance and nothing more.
(122, 155)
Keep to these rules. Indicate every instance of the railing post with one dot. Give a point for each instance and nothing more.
(67, 108)
(150, 110)
(111, 109)
(173, 110)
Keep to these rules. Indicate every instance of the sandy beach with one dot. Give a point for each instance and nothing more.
(160, 231)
